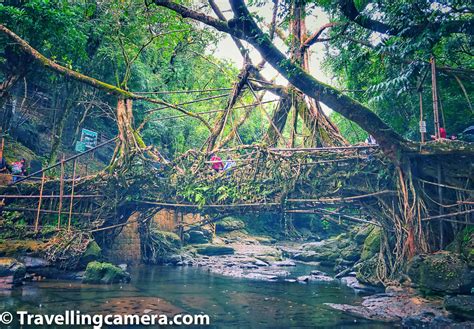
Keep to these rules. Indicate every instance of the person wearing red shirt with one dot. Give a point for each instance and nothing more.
(217, 163)
(442, 132)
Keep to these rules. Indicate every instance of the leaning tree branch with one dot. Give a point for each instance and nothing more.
(350, 11)
(315, 36)
(244, 27)
(243, 51)
(46, 62)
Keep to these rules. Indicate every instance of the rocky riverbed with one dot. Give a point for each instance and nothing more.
(414, 301)
(256, 261)
(437, 290)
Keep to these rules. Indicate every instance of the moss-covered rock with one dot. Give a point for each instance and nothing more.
(161, 247)
(461, 306)
(330, 251)
(229, 224)
(171, 239)
(93, 252)
(463, 244)
(15, 150)
(195, 236)
(351, 253)
(443, 272)
(329, 256)
(106, 273)
(307, 256)
(214, 250)
(371, 245)
(360, 233)
(11, 271)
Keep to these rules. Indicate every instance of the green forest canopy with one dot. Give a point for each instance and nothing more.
(145, 48)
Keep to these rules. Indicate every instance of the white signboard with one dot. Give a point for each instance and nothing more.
(422, 126)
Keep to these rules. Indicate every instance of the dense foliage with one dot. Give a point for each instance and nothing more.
(377, 51)
(145, 54)
(388, 70)
(124, 43)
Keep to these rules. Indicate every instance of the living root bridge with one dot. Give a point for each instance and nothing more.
(274, 180)
(420, 206)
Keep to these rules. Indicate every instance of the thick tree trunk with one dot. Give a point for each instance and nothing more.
(129, 142)
(65, 108)
(348, 107)
(322, 132)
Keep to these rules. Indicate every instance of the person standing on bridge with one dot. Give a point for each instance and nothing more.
(229, 164)
(216, 162)
(370, 140)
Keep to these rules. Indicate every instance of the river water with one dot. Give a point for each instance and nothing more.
(230, 302)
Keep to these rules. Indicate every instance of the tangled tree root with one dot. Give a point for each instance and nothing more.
(66, 248)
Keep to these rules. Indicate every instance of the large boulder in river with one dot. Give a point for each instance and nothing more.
(215, 250)
(229, 224)
(106, 273)
(195, 236)
(307, 256)
(461, 305)
(442, 272)
(327, 251)
(331, 251)
(12, 272)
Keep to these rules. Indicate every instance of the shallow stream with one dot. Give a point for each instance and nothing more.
(230, 302)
